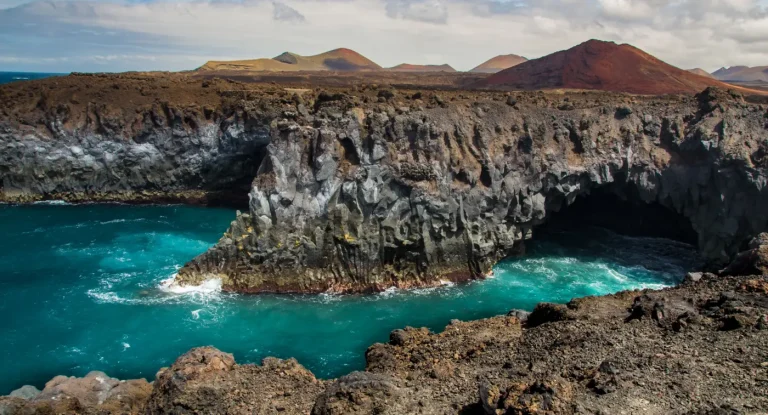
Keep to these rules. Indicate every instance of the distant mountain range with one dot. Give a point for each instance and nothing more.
(742, 73)
(343, 60)
(335, 60)
(595, 65)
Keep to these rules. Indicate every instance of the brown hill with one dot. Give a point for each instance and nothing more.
(742, 73)
(407, 67)
(335, 60)
(699, 71)
(499, 63)
(603, 66)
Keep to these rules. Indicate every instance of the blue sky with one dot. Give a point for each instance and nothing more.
(119, 35)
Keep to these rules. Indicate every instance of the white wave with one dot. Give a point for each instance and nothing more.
(52, 202)
(615, 274)
(109, 222)
(329, 297)
(106, 297)
(423, 291)
(168, 291)
(126, 346)
(210, 286)
(389, 292)
(445, 283)
(196, 313)
(20, 78)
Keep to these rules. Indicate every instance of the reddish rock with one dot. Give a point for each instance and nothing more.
(600, 65)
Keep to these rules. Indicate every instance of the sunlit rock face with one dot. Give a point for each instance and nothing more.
(357, 198)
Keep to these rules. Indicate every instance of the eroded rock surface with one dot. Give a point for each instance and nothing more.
(353, 198)
(207, 381)
(92, 394)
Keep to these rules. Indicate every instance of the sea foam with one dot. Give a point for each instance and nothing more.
(210, 286)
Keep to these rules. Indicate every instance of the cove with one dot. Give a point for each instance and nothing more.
(81, 289)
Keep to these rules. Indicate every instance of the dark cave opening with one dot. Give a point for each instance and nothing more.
(620, 209)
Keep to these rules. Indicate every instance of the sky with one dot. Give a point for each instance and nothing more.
(122, 35)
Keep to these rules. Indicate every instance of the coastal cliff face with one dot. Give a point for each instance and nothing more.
(366, 188)
(416, 191)
(125, 138)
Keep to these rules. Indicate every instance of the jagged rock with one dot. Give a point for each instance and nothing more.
(11, 405)
(414, 199)
(534, 398)
(521, 315)
(547, 313)
(408, 335)
(93, 389)
(693, 277)
(364, 393)
(667, 312)
(27, 392)
(96, 393)
(753, 261)
(206, 380)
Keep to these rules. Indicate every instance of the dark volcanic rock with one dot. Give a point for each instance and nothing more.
(347, 194)
(365, 198)
(752, 261)
(547, 313)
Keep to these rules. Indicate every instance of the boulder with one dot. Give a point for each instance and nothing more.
(547, 313)
(26, 392)
(364, 393)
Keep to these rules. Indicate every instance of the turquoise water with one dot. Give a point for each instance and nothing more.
(6, 77)
(79, 291)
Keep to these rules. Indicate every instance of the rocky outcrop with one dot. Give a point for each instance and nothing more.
(205, 380)
(356, 199)
(128, 139)
(752, 261)
(698, 348)
(94, 393)
(358, 190)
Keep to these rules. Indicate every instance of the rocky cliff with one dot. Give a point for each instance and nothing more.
(130, 138)
(695, 349)
(414, 191)
(364, 188)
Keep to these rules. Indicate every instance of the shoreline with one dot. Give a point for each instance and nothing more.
(610, 312)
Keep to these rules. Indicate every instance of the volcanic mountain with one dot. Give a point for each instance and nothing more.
(603, 66)
(407, 67)
(699, 71)
(335, 60)
(499, 63)
(742, 73)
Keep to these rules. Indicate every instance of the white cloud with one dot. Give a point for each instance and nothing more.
(627, 9)
(183, 34)
(430, 11)
(286, 13)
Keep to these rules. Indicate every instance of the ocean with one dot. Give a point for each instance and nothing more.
(6, 77)
(86, 288)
